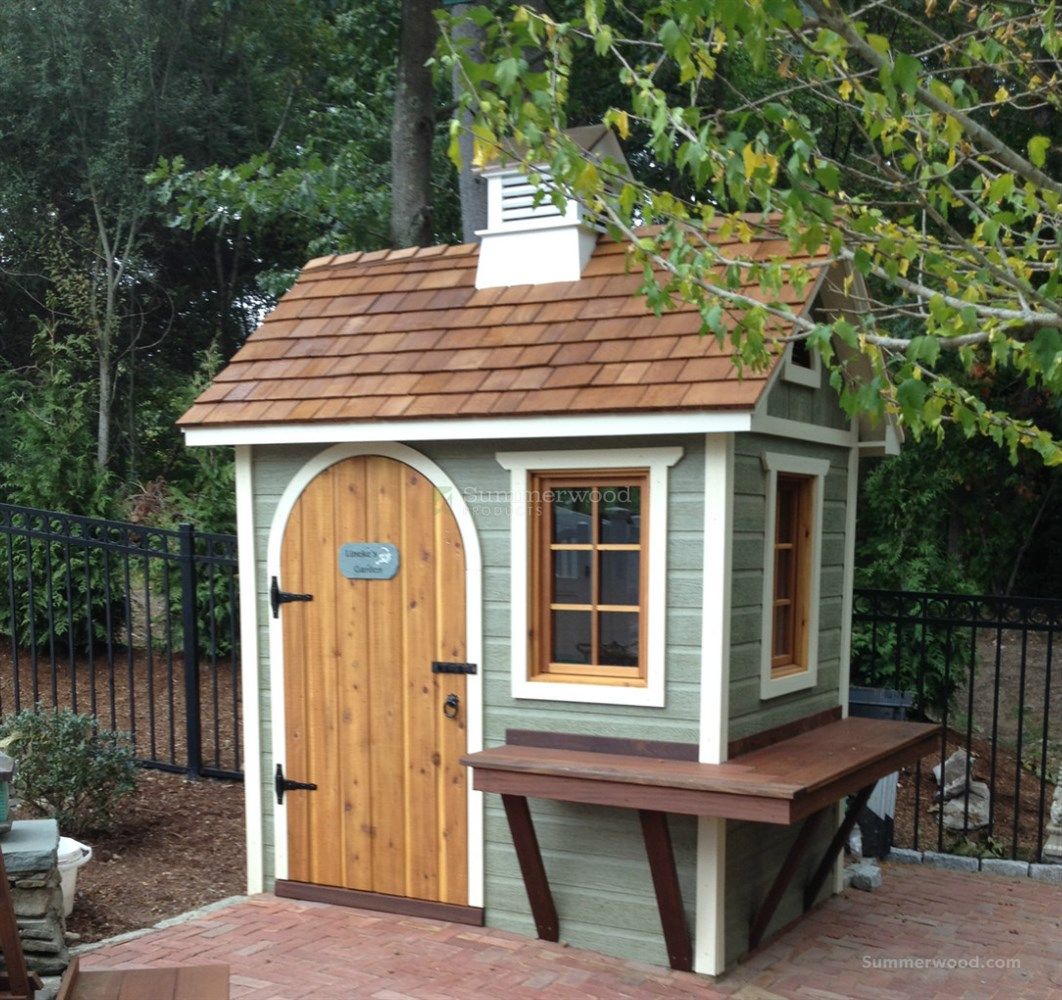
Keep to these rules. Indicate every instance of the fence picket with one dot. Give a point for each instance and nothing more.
(107, 589)
(927, 645)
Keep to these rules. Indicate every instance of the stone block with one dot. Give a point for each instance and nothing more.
(1046, 873)
(953, 862)
(31, 846)
(33, 903)
(38, 930)
(864, 876)
(43, 947)
(904, 856)
(1005, 866)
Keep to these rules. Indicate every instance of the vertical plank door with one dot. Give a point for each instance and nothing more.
(364, 712)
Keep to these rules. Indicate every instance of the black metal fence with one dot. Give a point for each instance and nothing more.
(986, 668)
(138, 626)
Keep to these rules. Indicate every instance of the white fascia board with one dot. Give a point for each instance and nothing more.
(473, 429)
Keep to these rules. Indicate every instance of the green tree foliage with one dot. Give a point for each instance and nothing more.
(137, 282)
(915, 146)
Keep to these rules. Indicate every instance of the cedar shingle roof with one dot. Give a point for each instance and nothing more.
(405, 334)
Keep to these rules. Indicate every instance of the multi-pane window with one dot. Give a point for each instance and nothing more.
(588, 546)
(794, 496)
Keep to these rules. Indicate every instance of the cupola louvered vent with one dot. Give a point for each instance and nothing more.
(532, 238)
(518, 201)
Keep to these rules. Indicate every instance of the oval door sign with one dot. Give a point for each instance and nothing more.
(368, 560)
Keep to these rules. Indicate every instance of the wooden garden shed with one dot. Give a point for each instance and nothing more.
(503, 530)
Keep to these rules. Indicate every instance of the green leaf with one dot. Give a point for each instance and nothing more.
(906, 71)
(925, 349)
(911, 395)
(1038, 146)
(879, 43)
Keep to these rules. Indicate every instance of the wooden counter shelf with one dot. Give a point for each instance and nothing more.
(793, 774)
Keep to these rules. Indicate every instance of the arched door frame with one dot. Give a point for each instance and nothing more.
(473, 633)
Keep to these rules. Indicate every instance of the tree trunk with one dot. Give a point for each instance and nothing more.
(413, 128)
(103, 428)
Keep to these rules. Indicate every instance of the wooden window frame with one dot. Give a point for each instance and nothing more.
(809, 375)
(543, 485)
(793, 660)
(798, 671)
(651, 693)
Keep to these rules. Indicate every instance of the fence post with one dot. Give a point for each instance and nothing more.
(190, 631)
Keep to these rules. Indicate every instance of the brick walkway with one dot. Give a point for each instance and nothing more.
(285, 950)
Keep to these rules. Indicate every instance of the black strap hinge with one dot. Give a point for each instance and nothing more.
(278, 597)
(282, 785)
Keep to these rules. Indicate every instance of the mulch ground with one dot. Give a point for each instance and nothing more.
(912, 800)
(178, 845)
(138, 691)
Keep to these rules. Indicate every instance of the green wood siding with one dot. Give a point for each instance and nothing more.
(755, 852)
(809, 406)
(594, 856)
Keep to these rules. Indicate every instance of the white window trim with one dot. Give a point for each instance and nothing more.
(773, 463)
(521, 465)
(798, 374)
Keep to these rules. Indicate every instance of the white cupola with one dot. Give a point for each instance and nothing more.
(532, 244)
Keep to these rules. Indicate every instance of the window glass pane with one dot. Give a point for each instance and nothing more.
(572, 508)
(621, 514)
(786, 502)
(571, 577)
(783, 633)
(620, 577)
(800, 353)
(783, 573)
(618, 639)
(571, 637)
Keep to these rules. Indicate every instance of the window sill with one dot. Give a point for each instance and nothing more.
(781, 682)
(589, 691)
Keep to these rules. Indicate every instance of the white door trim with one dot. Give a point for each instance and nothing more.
(249, 677)
(473, 632)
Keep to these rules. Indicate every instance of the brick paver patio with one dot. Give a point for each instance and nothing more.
(284, 950)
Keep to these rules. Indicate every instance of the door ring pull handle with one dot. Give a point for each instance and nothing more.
(451, 706)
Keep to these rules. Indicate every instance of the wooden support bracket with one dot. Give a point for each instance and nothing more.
(840, 838)
(661, 857)
(782, 880)
(522, 830)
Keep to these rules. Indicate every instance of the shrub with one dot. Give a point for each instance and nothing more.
(69, 768)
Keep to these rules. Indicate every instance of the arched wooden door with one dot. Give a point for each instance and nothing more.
(366, 718)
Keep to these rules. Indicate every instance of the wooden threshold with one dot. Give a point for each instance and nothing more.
(430, 909)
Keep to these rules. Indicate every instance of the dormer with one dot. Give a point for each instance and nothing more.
(529, 239)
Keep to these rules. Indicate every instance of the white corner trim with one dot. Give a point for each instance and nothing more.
(716, 587)
(520, 465)
(709, 932)
(473, 632)
(709, 942)
(797, 429)
(773, 463)
(797, 374)
(249, 683)
(852, 502)
(473, 428)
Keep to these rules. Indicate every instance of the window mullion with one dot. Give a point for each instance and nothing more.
(595, 579)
